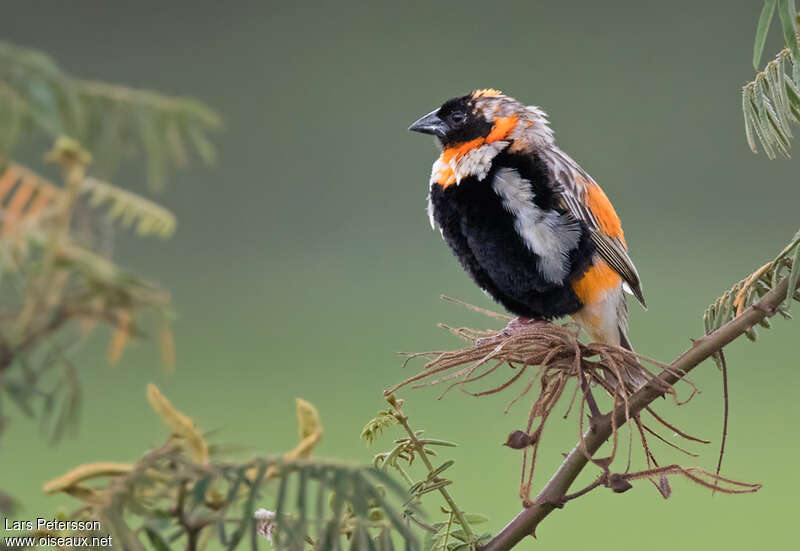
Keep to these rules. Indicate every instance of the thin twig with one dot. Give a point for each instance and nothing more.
(425, 526)
(724, 366)
(403, 420)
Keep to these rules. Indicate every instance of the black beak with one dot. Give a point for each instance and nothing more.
(430, 124)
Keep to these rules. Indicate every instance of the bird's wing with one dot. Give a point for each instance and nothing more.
(584, 198)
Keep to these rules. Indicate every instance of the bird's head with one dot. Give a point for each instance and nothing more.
(485, 116)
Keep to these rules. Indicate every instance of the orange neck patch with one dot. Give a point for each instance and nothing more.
(457, 151)
(502, 127)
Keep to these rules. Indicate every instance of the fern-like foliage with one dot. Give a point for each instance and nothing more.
(185, 493)
(751, 289)
(361, 504)
(57, 278)
(37, 96)
(375, 427)
(26, 198)
(129, 208)
(771, 102)
(457, 532)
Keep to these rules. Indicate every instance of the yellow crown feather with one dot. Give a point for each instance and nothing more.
(486, 92)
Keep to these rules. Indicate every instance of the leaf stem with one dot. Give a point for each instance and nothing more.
(403, 420)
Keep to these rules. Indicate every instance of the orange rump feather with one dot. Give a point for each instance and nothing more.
(596, 282)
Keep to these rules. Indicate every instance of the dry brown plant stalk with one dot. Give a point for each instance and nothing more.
(554, 493)
(547, 357)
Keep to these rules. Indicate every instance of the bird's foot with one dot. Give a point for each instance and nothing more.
(516, 325)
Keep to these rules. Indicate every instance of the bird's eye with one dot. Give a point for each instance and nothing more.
(457, 117)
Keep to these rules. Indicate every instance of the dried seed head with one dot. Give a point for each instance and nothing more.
(618, 483)
(518, 440)
(664, 487)
(265, 522)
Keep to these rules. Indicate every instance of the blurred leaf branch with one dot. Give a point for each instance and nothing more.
(57, 276)
(771, 102)
(441, 535)
(755, 287)
(114, 122)
(186, 492)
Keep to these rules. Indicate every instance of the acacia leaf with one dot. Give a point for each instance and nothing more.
(761, 30)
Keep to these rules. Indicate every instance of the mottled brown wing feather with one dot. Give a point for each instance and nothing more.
(614, 253)
(584, 199)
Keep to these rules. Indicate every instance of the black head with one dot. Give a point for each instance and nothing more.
(457, 120)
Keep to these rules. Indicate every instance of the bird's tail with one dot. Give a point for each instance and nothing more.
(633, 377)
(606, 322)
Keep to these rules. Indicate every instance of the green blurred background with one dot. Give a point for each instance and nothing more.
(304, 259)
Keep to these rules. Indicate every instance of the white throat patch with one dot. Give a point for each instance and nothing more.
(476, 162)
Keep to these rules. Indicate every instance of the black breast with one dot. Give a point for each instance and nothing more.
(481, 233)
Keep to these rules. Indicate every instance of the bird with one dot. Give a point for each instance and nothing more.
(525, 221)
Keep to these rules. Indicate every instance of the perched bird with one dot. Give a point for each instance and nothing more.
(530, 226)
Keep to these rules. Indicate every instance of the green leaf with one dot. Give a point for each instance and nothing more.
(399, 523)
(460, 534)
(280, 508)
(428, 488)
(384, 540)
(152, 140)
(748, 123)
(302, 484)
(440, 469)
(392, 457)
(793, 95)
(156, 540)
(788, 15)
(128, 207)
(20, 394)
(429, 541)
(724, 311)
(201, 143)
(778, 94)
(248, 508)
(780, 139)
(199, 489)
(752, 104)
(475, 518)
(761, 31)
(437, 442)
(221, 533)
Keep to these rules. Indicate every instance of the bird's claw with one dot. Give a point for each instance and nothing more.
(516, 325)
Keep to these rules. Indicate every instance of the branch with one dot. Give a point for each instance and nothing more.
(454, 510)
(552, 495)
